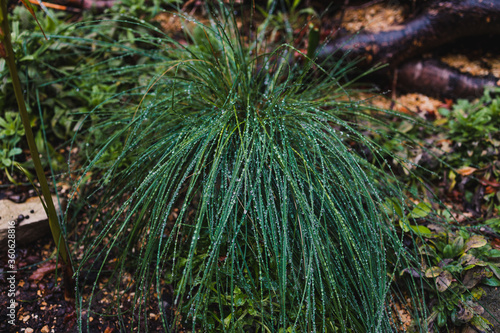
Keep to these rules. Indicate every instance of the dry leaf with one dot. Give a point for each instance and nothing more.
(495, 243)
(475, 242)
(474, 276)
(491, 183)
(466, 171)
(443, 281)
(46, 268)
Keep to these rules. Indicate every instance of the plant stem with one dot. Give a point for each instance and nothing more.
(7, 53)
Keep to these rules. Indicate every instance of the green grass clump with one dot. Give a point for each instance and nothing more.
(234, 180)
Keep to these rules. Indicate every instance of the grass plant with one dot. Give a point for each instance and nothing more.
(246, 182)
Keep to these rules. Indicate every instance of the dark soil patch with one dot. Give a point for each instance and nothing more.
(41, 306)
(40, 302)
(491, 304)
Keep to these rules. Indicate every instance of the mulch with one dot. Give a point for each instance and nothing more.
(39, 292)
(41, 305)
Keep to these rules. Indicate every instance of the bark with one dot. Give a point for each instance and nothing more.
(436, 79)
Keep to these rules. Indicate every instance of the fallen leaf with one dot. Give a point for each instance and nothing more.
(70, 318)
(433, 272)
(43, 270)
(466, 171)
(443, 281)
(468, 259)
(474, 276)
(491, 183)
(412, 271)
(495, 243)
(475, 242)
(490, 189)
(464, 314)
(448, 102)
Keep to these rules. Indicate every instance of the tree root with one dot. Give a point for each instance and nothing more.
(440, 23)
(434, 78)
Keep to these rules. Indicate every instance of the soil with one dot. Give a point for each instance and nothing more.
(491, 304)
(41, 305)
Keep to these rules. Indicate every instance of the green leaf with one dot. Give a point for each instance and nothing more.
(28, 58)
(14, 151)
(493, 253)
(495, 270)
(421, 230)
(227, 320)
(6, 162)
(442, 318)
(448, 251)
(420, 211)
(492, 281)
(403, 224)
(458, 245)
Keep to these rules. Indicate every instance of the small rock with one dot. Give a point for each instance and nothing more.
(45, 329)
(15, 215)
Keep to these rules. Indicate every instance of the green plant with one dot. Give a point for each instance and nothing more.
(58, 96)
(234, 181)
(143, 9)
(7, 53)
(460, 147)
(456, 263)
(475, 129)
(50, 106)
(11, 132)
(285, 17)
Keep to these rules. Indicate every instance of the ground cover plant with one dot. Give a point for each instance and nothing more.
(12, 129)
(234, 180)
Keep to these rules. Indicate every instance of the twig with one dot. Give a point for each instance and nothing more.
(55, 6)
